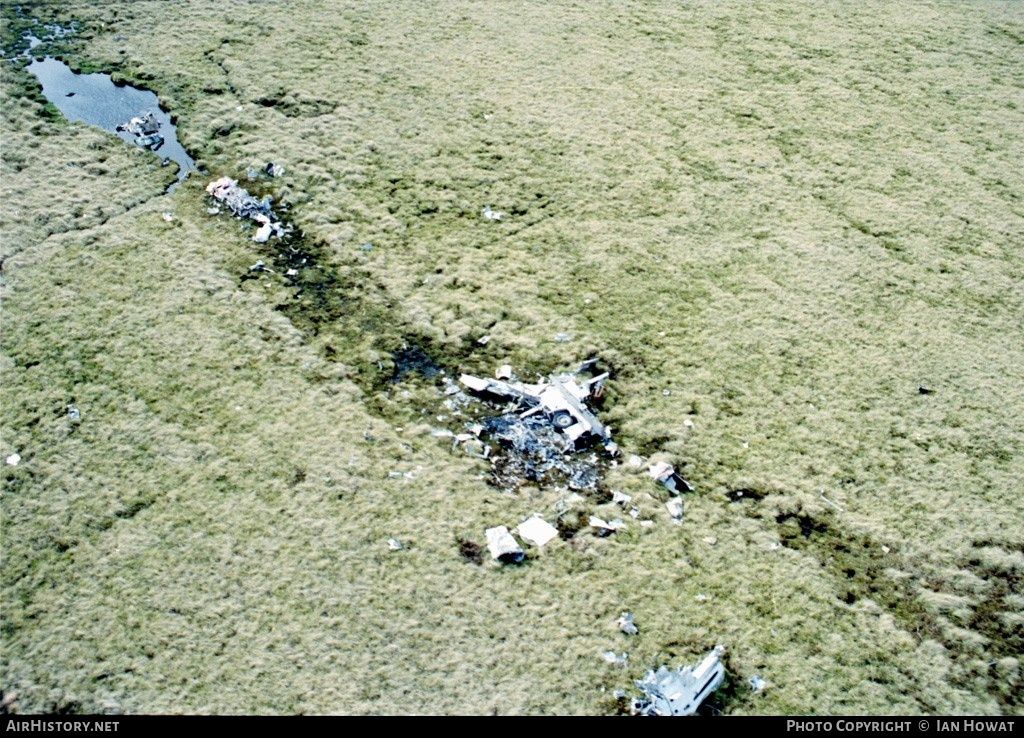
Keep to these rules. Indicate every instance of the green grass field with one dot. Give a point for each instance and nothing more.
(773, 221)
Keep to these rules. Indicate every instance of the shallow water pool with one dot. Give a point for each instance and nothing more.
(95, 99)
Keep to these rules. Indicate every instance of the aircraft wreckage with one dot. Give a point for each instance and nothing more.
(146, 129)
(539, 428)
(560, 399)
(680, 691)
(244, 205)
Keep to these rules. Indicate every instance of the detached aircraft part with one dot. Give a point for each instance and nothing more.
(680, 691)
(503, 546)
(563, 420)
(146, 129)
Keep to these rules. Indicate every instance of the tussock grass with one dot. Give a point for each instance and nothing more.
(63, 176)
(773, 222)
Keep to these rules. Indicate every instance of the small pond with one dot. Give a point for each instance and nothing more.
(95, 99)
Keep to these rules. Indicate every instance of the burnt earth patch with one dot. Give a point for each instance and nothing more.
(413, 359)
(470, 551)
(746, 494)
(858, 566)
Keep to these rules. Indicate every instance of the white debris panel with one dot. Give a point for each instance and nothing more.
(675, 508)
(666, 474)
(536, 531)
(503, 546)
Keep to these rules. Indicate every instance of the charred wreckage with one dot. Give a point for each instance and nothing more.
(541, 426)
(559, 400)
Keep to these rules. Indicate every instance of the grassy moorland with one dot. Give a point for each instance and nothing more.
(773, 221)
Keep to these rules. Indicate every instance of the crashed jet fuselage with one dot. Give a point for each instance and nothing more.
(561, 398)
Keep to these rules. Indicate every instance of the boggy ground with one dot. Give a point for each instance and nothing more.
(774, 221)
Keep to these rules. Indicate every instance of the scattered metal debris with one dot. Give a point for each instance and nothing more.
(74, 414)
(240, 202)
(626, 624)
(168, 216)
(273, 170)
(821, 494)
(921, 389)
(611, 658)
(561, 398)
(13, 459)
(620, 498)
(489, 214)
(675, 508)
(604, 528)
(680, 691)
(266, 229)
(472, 445)
(244, 205)
(567, 504)
(503, 546)
(562, 338)
(146, 129)
(666, 474)
(540, 428)
(395, 545)
(259, 266)
(757, 684)
(536, 531)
